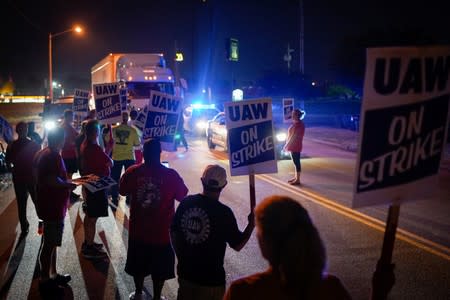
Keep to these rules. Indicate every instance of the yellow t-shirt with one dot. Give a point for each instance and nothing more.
(125, 139)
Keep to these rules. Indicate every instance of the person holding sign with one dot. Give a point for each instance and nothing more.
(153, 189)
(52, 200)
(292, 245)
(93, 161)
(294, 143)
(200, 231)
(125, 139)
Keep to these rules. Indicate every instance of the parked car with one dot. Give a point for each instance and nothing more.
(217, 135)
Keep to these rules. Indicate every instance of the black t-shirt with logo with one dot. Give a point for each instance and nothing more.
(202, 227)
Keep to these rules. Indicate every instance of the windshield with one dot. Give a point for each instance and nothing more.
(142, 89)
(204, 113)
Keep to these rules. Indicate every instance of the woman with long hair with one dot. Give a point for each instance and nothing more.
(291, 243)
(294, 143)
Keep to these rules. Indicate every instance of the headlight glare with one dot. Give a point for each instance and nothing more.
(49, 125)
(281, 137)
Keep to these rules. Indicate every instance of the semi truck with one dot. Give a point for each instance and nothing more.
(138, 72)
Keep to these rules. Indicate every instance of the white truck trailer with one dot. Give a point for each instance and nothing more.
(139, 72)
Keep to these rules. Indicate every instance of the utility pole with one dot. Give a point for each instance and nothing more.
(302, 43)
(288, 58)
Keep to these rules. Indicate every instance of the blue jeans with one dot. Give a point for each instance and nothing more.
(116, 172)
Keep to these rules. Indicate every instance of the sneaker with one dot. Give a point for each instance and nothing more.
(50, 289)
(137, 296)
(91, 252)
(62, 279)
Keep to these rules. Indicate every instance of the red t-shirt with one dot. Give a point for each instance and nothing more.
(294, 140)
(21, 153)
(153, 191)
(51, 202)
(94, 160)
(69, 150)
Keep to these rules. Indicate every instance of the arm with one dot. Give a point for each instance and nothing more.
(9, 157)
(245, 235)
(125, 185)
(182, 189)
(174, 233)
(58, 182)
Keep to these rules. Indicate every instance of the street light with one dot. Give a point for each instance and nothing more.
(77, 29)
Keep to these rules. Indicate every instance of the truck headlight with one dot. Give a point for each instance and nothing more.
(281, 137)
(49, 125)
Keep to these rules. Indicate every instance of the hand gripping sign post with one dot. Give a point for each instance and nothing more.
(163, 114)
(80, 106)
(250, 140)
(107, 103)
(404, 126)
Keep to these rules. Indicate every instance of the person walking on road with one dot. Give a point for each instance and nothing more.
(180, 132)
(69, 150)
(294, 143)
(20, 154)
(153, 189)
(125, 139)
(201, 228)
(52, 200)
(93, 161)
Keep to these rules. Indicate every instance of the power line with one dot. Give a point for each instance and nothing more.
(28, 20)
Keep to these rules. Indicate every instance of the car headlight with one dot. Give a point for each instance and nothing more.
(49, 125)
(201, 124)
(281, 137)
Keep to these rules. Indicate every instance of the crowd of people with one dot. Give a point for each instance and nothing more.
(196, 232)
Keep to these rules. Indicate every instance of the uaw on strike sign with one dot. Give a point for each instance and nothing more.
(108, 104)
(404, 124)
(250, 137)
(163, 112)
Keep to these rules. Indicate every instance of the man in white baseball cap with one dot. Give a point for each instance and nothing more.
(200, 231)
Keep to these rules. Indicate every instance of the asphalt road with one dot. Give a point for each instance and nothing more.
(353, 238)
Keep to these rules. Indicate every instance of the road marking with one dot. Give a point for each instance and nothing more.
(420, 242)
(406, 236)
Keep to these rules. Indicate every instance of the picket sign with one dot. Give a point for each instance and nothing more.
(405, 113)
(161, 120)
(108, 103)
(250, 140)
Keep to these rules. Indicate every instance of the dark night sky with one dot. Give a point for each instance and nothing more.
(264, 28)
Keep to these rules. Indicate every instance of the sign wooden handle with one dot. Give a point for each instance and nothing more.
(389, 234)
(251, 179)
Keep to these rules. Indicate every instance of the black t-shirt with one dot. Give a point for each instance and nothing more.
(200, 230)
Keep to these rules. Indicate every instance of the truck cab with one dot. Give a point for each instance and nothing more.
(140, 73)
